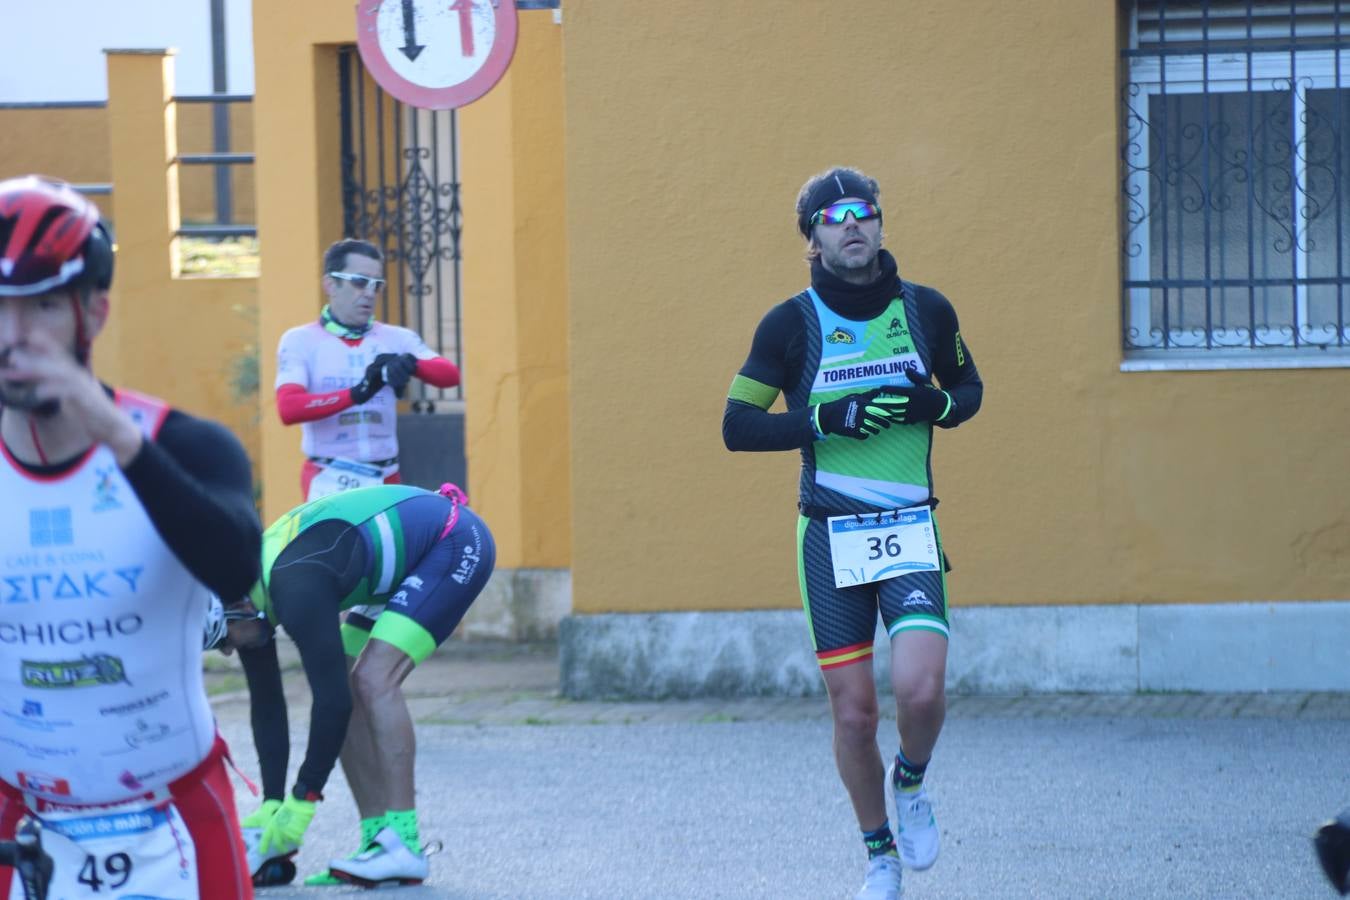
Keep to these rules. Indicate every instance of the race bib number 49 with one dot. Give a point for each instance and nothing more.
(876, 546)
(137, 850)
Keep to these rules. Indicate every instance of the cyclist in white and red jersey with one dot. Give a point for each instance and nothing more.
(120, 515)
(338, 377)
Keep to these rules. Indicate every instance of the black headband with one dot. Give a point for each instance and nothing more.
(835, 186)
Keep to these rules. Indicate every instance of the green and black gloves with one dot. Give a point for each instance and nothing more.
(285, 830)
(858, 416)
(261, 816)
(923, 402)
(864, 414)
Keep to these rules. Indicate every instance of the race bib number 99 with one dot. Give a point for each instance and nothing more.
(344, 475)
(877, 546)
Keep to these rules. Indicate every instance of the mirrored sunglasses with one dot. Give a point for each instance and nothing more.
(242, 613)
(834, 213)
(360, 282)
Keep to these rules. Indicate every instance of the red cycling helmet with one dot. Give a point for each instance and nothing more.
(46, 228)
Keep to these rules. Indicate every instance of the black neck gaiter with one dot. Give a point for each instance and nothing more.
(859, 302)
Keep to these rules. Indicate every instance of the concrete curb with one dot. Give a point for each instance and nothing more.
(520, 605)
(1127, 648)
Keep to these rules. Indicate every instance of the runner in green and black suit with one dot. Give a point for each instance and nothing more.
(827, 343)
(855, 356)
(405, 564)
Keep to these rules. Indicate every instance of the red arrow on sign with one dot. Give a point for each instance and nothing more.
(436, 54)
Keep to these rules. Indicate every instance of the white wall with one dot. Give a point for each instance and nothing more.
(52, 50)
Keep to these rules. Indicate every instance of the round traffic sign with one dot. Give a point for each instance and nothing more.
(436, 54)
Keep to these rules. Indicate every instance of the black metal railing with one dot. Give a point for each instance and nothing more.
(222, 159)
(215, 159)
(400, 190)
(56, 104)
(1234, 225)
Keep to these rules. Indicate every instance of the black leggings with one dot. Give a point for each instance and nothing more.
(309, 579)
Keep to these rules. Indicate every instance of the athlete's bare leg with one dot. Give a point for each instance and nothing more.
(377, 680)
(853, 705)
(918, 677)
(358, 753)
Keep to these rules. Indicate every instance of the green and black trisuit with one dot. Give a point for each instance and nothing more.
(404, 563)
(832, 340)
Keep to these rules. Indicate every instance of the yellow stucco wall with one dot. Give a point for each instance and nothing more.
(515, 295)
(299, 214)
(181, 339)
(153, 309)
(197, 376)
(992, 127)
(688, 130)
(514, 300)
(73, 143)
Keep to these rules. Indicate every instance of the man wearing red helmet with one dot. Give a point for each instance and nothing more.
(121, 516)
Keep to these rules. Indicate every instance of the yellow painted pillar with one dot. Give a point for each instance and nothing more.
(514, 289)
(142, 149)
(296, 143)
(515, 304)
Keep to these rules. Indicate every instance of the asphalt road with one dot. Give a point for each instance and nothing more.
(534, 796)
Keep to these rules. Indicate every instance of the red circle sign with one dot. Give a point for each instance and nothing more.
(436, 54)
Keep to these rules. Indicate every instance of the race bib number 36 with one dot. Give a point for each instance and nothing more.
(877, 546)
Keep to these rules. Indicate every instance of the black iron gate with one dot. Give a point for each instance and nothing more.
(400, 191)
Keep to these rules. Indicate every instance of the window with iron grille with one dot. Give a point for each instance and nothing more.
(1235, 224)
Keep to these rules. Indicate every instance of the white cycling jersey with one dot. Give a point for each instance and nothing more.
(320, 362)
(101, 694)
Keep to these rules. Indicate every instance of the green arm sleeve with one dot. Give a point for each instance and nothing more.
(747, 390)
(748, 425)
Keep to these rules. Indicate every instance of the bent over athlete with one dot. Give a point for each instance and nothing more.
(406, 564)
(854, 356)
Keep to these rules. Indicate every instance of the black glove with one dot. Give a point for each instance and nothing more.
(398, 369)
(372, 382)
(858, 416)
(920, 402)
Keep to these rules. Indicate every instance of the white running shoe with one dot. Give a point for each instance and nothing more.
(252, 838)
(918, 831)
(389, 860)
(883, 879)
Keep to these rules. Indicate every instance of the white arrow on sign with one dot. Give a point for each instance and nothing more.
(436, 54)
